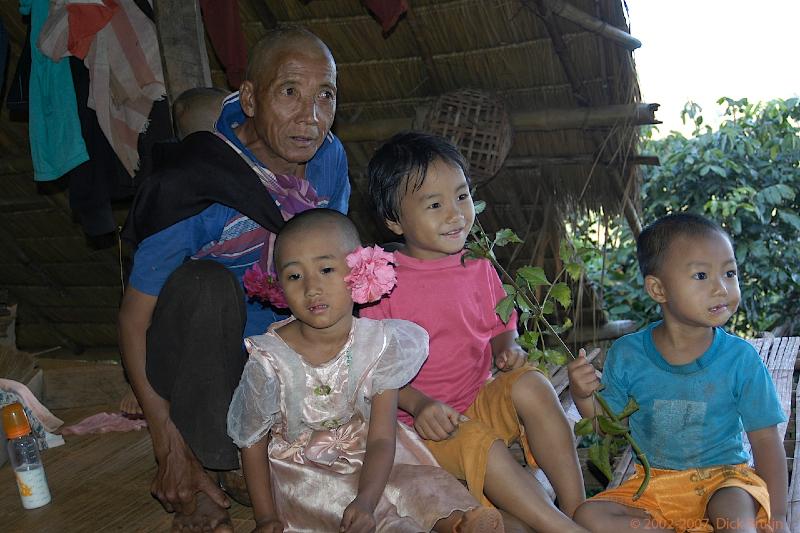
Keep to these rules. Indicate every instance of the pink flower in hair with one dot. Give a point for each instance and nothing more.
(263, 286)
(371, 274)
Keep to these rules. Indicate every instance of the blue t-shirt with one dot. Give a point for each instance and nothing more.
(161, 253)
(691, 415)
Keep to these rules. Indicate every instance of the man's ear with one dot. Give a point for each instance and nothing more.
(394, 227)
(655, 289)
(247, 98)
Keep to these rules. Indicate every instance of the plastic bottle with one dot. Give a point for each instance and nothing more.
(23, 453)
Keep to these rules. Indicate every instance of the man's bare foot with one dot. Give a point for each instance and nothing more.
(207, 516)
(129, 404)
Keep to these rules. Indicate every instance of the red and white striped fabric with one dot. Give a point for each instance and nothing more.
(121, 52)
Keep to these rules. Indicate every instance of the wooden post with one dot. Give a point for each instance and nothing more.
(183, 46)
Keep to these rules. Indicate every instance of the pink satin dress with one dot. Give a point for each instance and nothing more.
(318, 416)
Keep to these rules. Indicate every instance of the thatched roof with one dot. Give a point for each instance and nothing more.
(571, 95)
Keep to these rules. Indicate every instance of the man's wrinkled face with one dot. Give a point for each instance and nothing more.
(292, 104)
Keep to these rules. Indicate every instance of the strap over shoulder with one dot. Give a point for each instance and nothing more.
(202, 171)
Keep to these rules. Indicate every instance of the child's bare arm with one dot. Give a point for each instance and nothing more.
(255, 465)
(770, 464)
(378, 461)
(433, 420)
(507, 354)
(583, 382)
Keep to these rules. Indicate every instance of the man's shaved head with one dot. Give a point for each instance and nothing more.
(278, 39)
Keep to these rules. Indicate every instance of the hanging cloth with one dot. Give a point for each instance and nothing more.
(224, 26)
(124, 65)
(55, 131)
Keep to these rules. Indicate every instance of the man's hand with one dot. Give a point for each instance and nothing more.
(357, 518)
(582, 377)
(510, 358)
(437, 421)
(180, 476)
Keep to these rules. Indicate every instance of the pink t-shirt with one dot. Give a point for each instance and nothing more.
(455, 304)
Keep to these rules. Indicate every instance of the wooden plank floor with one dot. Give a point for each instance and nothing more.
(98, 483)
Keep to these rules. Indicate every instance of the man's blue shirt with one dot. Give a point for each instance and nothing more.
(691, 415)
(161, 253)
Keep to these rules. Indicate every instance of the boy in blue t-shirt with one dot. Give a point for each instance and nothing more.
(698, 388)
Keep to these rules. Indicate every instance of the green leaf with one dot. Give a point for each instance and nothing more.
(583, 427)
(564, 326)
(510, 289)
(534, 276)
(528, 339)
(599, 456)
(536, 357)
(480, 205)
(609, 427)
(574, 270)
(505, 308)
(790, 218)
(560, 291)
(522, 303)
(630, 408)
(555, 357)
(774, 194)
(474, 251)
(565, 251)
(505, 236)
(548, 308)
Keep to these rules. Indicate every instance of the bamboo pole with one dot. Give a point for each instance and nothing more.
(542, 120)
(569, 12)
(587, 117)
(577, 159)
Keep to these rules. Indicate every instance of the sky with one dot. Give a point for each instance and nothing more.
(702, 50)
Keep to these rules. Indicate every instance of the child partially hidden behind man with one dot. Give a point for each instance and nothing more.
(698, 388)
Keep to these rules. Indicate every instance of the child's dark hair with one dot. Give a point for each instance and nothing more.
(402, 162)
(653, 242)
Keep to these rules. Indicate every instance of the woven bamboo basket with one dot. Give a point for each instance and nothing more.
(478, 124)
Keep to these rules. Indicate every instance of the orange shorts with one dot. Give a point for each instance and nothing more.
(492, 417)
(678, 498)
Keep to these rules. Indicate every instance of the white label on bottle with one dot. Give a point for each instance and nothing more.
(33, 487)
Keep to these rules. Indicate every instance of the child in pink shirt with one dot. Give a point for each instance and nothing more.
(419, 185)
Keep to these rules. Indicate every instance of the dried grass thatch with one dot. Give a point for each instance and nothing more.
(570, 93)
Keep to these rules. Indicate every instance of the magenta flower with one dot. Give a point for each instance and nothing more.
(371, 274)
(263, 286)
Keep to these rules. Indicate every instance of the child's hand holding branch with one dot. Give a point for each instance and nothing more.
(583, 380)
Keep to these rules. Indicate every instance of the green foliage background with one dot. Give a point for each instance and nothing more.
(746, 176)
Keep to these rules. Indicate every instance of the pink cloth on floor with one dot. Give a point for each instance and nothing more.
(103, 423)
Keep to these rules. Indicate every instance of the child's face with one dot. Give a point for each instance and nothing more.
(697, 283)
(311, 270)
(435, 220)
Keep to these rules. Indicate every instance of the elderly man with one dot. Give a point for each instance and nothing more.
(200, 223)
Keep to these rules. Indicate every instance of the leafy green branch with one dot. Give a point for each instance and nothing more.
(521, 293)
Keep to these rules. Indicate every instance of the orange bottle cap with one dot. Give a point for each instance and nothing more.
(15, 422)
